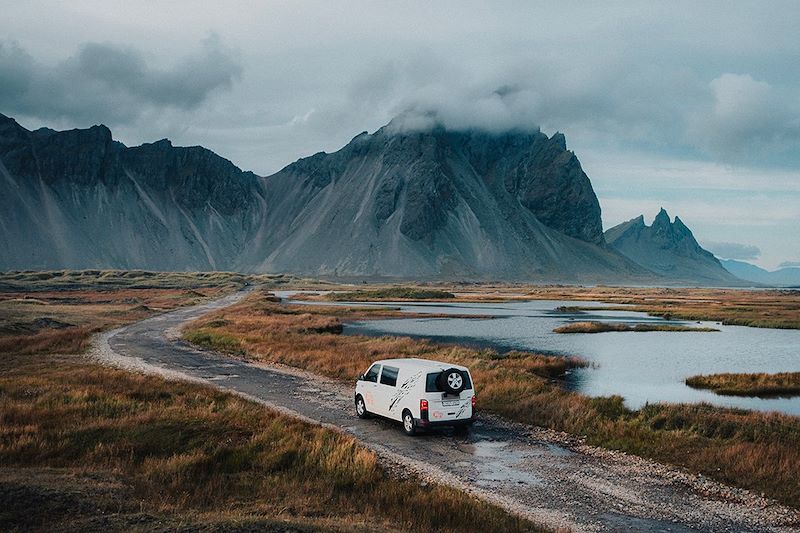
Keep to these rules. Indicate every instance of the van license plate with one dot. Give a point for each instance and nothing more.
(450, 403)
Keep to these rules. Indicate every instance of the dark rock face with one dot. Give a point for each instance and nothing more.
(387, 196)
(401, 204)
(668, 248)
(536, 171)
(440, 203)
(549, 180)
(78, 198)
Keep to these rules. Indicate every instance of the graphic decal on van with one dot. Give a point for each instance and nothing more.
(404, 389)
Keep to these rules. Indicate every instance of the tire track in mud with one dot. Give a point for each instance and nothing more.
(543, 475)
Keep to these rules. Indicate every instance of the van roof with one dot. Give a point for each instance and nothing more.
(425, 364)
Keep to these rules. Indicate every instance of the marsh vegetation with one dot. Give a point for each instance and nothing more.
(391, 293)
(749, 449)
(602, 327)
(756, 384)
(777, 308)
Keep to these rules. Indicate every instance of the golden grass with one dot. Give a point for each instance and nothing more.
(758, 384)
(766, 309)
(778, 308)
(602, 327)
(64, 321)
(36, 280)
(753, 450)
(169, 454)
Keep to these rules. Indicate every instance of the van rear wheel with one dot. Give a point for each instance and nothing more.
(361, 407)
(408, 423)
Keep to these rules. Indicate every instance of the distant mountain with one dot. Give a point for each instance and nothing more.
(433, 204)
(669, 249)
(77, 199)
(783, 277)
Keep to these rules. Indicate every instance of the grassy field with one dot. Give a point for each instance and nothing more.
(766, 309)
(779, 308)
(94, 280)
(749, 449)
(782, 384)
(603, 327)
(50, 321)
(58, 311)
(84, 447)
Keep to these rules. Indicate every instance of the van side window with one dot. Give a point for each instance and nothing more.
(389, 376)
(372, 373)
(432, 385)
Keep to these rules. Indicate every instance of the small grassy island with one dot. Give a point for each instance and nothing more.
(392, 293)
(601, 327)
(784, 384)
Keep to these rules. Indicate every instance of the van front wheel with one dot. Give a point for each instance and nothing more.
(361, 407)
(408, 423)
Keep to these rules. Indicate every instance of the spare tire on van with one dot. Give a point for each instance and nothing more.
(451, 381)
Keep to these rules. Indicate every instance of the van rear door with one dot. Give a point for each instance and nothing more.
(444, 407)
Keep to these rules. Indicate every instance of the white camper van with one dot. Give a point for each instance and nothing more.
(417, 392)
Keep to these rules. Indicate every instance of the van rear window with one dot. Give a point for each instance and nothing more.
(431, 380)
(389, 376)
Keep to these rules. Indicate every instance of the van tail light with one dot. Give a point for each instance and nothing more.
(423, 409)
(474, 401)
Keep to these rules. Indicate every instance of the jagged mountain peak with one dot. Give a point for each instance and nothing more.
(662, 218)
(526, 168)
(668, 248)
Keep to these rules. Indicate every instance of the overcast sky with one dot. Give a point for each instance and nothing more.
(693, 108)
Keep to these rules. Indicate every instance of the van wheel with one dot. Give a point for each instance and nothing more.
(361, 407)
(408, 423)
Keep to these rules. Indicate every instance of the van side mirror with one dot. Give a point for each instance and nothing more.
(361, 377)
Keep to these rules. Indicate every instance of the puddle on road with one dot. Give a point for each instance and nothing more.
(221, 377)
(557, 451)
(498, 462)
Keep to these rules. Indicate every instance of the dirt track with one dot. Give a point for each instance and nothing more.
(546, 476)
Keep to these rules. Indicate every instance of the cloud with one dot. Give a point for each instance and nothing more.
(746, 117)
(733, 250)
(472, 88)
(731, 118)
(111, 83)
(790, 264)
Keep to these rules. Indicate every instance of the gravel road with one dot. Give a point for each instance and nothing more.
(546, 476)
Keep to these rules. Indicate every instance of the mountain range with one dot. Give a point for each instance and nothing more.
(433, 204)
(782, 277)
